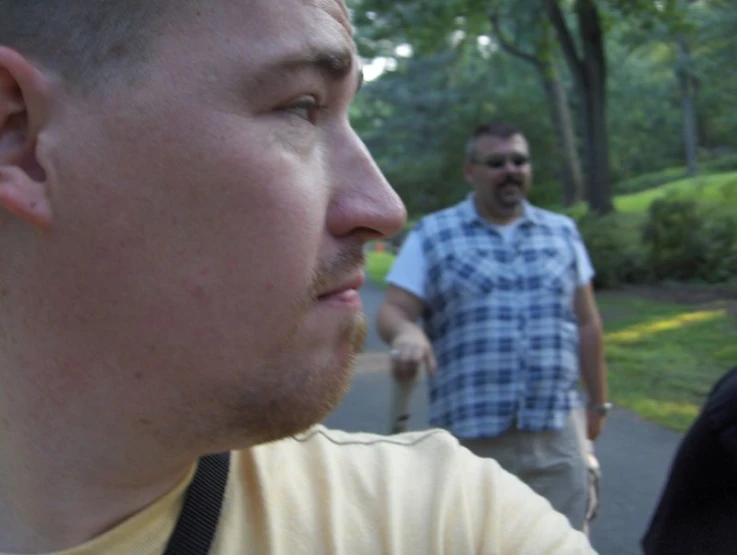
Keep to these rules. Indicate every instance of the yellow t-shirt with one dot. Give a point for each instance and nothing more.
(332, 492)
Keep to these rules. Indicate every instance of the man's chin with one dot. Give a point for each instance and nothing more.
(324, 385)
(338, 373)
(511, 199)
(310, 409)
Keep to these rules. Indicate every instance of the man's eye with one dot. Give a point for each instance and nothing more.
(306, 108)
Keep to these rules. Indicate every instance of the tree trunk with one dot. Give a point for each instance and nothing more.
(690, 135)
(594, 67)
(560, 114)
(598, 187)
(590, 77)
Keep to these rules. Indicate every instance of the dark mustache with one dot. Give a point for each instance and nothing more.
(511, 181)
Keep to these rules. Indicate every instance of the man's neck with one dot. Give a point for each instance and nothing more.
(499, 215)
(56, 493)
(47, 518)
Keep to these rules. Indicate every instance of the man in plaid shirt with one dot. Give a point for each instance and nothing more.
(509, 324)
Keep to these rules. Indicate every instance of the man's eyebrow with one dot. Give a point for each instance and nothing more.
(334, 63)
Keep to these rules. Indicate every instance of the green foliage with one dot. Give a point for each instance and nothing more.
(689, 241)
(416, 118)
(720, 165)
(616, 251)
(643, 97)
(714, 52)
(675, 239)
(706, 190)
(653, 180)
(720, 260)
(683, 232)
(728, 191)
(416, 121)
(687, 232)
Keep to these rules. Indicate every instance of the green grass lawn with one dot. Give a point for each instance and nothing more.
(664, 358)
(707, 189)
(649, 180)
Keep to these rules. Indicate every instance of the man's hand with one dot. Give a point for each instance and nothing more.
(409, 349)
(594, 424)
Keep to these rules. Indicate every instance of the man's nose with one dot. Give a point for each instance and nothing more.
(510, 166)
(363, 203)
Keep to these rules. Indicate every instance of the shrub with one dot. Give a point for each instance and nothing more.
(674, 238)
(686, 241)
(545, 194)
(728, 192)
(720, 238)
(719, 165)
(614, 245)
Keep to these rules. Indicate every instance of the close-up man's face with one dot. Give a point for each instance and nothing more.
(501, 172)
(210, 216)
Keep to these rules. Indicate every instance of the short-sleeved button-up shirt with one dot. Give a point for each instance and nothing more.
(501, 320)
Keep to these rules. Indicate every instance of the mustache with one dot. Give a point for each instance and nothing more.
(337, 268)
(511, 180)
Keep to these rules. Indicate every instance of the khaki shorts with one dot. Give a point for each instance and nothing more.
(552, 463)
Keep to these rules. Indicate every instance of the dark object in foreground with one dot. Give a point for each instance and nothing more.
(697, 512)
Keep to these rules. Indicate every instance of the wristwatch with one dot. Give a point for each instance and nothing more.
(602, 409)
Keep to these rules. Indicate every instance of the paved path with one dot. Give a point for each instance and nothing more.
(635, 455)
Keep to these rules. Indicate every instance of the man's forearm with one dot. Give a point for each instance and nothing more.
(391, 320)
(593, 365)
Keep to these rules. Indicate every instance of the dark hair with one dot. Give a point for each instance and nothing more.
(500, 129)
(85, 41)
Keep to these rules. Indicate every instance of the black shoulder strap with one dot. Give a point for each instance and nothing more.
(198, 521)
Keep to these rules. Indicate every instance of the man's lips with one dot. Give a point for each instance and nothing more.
(349, 286)
(509, 189)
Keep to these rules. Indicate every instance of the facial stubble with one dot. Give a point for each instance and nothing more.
(296, 391)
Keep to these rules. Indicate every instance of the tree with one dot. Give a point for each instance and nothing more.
(432, 26)
(543, 59)
(684, 73)
(589, 70)
(417, 117)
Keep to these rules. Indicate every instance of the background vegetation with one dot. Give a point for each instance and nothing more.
(629, 107)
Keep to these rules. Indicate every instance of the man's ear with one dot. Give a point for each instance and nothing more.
(24, 103)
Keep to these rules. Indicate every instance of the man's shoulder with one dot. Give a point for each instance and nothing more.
(344, 462)
(450, 214)
(553, 219)
(366, 452)
(338, 440)
(420, 488)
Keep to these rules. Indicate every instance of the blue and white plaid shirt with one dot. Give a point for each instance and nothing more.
(501, 320)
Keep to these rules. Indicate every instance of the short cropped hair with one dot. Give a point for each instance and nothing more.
(86, 42)
(499, 129)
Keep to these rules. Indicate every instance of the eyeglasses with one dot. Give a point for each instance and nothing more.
(498, 162)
